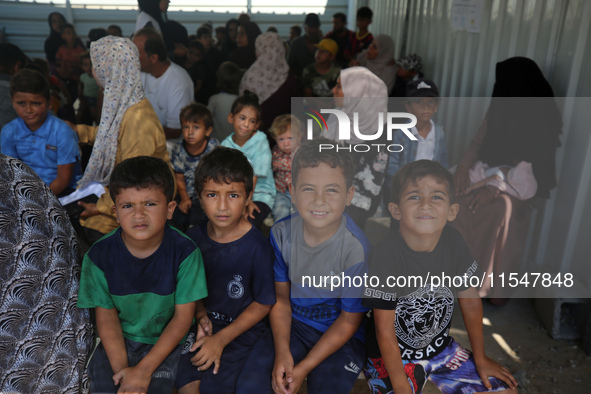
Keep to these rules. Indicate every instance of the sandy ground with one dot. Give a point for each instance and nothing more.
(515, 337)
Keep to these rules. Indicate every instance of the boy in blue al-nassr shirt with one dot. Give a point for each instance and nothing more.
(143, 279)
(45, 143)
(238, 262)
(316, 333)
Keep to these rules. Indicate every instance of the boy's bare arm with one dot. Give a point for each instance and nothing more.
(280, 318)
(471, 307)
(251, 207)
(212, 346)
(63, 178)
(181, 185)
(137, 379)
(332, 340)
(386, 334)
(111, 335)
(204, 326)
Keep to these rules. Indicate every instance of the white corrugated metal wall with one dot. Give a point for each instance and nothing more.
(25, 23)
(557, 35)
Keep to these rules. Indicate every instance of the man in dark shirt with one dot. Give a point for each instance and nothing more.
(341, 35)
(303, 48)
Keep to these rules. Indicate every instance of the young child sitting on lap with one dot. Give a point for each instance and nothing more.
(315, 332)
(185, 155)
(143, 279)
(288, 140)
(45, 143)
(239, 271)
(411, 342)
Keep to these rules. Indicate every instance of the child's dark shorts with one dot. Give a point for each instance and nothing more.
(453, 371)
(336, 374)
(233, 358)
(101, 374)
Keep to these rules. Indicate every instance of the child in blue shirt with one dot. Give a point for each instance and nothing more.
(45, 143)
(246, 118)
(185, 155)
(238, 263)
(316, 332)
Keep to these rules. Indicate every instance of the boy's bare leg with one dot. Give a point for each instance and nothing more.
(191, 388)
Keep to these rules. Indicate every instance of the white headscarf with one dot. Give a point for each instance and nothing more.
(269, 71)
(116, 63)
(365, 94)
(383, 65)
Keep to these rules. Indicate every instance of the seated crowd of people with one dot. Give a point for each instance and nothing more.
(192, 141)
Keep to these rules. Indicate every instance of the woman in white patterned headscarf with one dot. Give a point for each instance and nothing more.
(363, 96)
(269, 79)
(128, 127)
(379, 59)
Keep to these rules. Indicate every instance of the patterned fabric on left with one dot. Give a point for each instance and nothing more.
(44, 337)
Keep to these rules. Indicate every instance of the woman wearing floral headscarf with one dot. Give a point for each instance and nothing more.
(269, 79)
(360, 91)
(128, 127)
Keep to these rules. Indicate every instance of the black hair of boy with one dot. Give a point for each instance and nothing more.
(154, 44)
(232, 21)
(310, 154)
(224, 165)
(417, 170)
(96, 34)
(66, 26)
(248, 99)
(229, 76)
(117, 28)
(203, 31)
(365, 12)
(341, 16)
(297, 29)
(312, 20)
(11, 56)
(29, 81)
(195, 44)
(39, 65)
(142, 172)
(197, 113)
